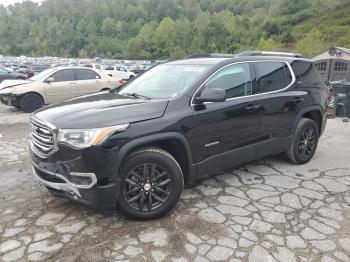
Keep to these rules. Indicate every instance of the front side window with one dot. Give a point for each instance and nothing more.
(165, 81)
(272, 76)
(86, 74)
(234, 79)
(63, 75)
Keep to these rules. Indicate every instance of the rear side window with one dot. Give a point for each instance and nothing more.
(63, 75)
(306, 74)
(86, 74)
(234, 79)
(272, 76)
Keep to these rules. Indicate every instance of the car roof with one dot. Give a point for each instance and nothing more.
(198, 61)
(73, 67)
(229, 60)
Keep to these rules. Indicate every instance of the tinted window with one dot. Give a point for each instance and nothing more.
(272, 76)
(85, 74)
(234, 79)
(306, 73)
(63, 75)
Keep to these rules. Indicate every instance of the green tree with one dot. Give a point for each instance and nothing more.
(266, 44)
(312, 44)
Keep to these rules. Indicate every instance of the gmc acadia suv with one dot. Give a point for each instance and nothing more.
(135, 148)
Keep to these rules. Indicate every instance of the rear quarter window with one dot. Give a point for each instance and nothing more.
(306, 73)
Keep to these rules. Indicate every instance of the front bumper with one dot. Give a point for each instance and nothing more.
(60, 182)
(89, 176)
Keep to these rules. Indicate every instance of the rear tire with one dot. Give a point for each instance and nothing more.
(151, 184)
(304, 142)
(30, 102)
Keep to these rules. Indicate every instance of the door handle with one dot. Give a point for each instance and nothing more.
(253, 108)
(298, 99)
(72, 83)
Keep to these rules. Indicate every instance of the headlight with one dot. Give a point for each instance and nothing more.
(82, 138)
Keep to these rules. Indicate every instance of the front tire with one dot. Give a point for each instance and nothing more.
(30, 102)
(304, 142)
(151, 184)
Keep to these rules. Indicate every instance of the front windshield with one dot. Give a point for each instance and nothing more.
(43, 75)
(164, 81)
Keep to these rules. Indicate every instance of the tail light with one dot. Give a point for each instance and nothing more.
(121, 81)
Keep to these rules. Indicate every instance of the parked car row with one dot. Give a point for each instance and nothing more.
(30, 83)
(8, 74)
(55, 85)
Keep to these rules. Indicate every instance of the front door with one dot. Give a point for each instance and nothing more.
(225, 132)
(61, 87)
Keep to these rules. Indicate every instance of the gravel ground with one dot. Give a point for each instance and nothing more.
(268, 210)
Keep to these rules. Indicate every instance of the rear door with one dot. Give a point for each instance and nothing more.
(88, 81)
(62, 87)
(279, 102)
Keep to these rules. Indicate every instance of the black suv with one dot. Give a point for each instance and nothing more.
(135, 148)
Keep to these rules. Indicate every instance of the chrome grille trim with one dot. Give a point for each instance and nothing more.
(42, 137)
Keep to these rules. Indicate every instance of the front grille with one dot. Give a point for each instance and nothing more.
(41, 137)
(48, 177)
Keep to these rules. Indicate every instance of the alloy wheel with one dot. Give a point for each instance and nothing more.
(306, 143)
(146, 187)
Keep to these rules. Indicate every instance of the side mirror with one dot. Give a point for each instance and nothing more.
(50, 80)
(211, 95)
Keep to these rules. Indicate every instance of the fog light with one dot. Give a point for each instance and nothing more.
(82, 179)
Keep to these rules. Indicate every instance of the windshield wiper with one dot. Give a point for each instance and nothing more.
(136, 95)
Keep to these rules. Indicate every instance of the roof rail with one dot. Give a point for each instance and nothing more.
(207, 55)
(262, 53)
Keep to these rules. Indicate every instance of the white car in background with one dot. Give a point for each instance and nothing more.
(119, 72)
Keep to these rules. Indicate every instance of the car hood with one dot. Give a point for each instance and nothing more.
(11, 83)
(101, 110)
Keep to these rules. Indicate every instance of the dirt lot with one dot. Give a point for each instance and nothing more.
(264, 211)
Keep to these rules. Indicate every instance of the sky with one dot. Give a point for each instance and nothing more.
(9, 2)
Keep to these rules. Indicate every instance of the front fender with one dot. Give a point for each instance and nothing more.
(128, 147)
